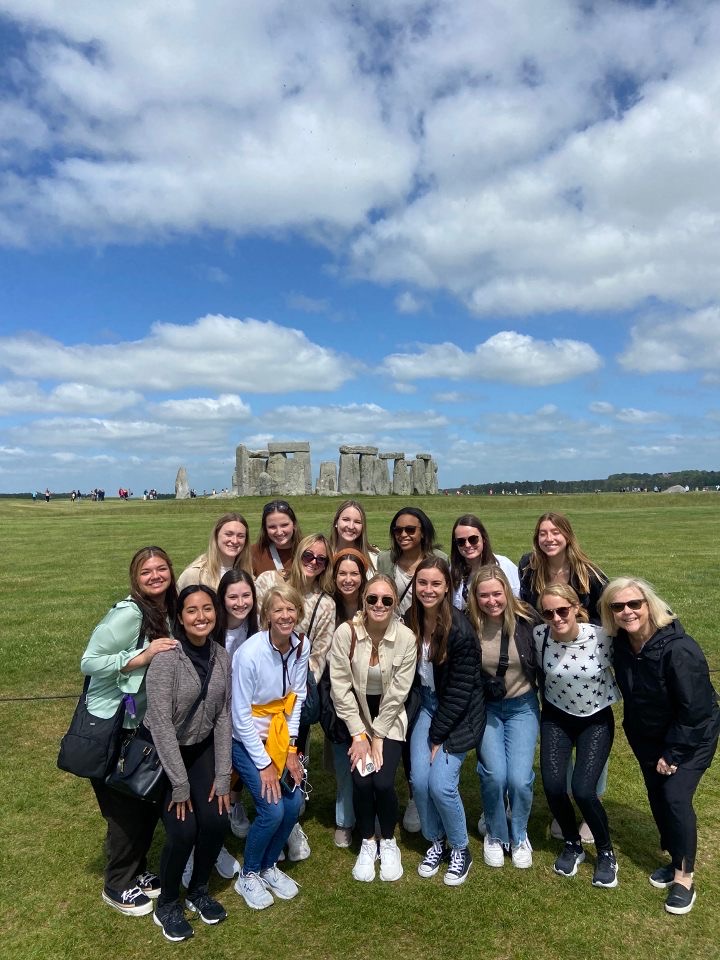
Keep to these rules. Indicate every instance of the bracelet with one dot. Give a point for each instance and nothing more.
(359, 737)
(292, 750)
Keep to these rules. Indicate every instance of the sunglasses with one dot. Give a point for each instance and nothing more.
(472, 541)
(307, 556)
(561, 612)
(276, 506)
(618, 606)
(411, 529)
(372, 598)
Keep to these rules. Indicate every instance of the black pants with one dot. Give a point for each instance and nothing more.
(592, 738)
(130, 827)
(204, 828)
(375, 794)
(671, 797)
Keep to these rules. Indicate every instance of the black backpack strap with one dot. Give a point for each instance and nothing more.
(504, 661)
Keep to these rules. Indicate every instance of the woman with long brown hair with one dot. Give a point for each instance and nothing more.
(228, 549)
(470, 549)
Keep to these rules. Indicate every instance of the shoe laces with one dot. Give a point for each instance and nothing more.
(456, 859)
(131, 895)
(435, 852)
(146, 878)
(174, 912)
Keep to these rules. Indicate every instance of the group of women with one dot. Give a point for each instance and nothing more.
(426, 658)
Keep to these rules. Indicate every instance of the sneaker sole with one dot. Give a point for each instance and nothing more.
(659, 884)
(428, 872)
(494, 863)
(256, 906)
(211, 921)
(522, 866)
(607, 886)
(167, 935)
(562, 873)
(140, 911)
(367, 878)
(393, 878)
(679, 911)
(456, 881)
(281, 895)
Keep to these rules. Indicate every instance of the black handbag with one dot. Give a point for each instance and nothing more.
(91, 744)
(333, 727)
(138, 771)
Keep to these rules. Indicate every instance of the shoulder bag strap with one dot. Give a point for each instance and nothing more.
(314, 614)
(504, 661)
(198, 700)
(276, 558)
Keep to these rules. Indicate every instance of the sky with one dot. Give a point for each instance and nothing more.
(484, 229)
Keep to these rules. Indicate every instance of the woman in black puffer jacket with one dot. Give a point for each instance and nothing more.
(451, 719)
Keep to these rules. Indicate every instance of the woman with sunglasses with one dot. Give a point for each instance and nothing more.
(412, 536)
(671, 720)
(470, 549)
(504, 627)
(269, 683)
(229, 549)
(450, 721)
(372, 666)
(574, 658)
(556, 557)
(193, 743)
(278, 539)
(349, 529)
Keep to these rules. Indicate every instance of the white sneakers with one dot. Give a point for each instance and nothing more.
(522, 854)
(226, 865)
(297, 845)
(239, 823)
(252, 889)
(493, 852)
(364, 869)
(279, 883)
(411, 818)
(390, 862)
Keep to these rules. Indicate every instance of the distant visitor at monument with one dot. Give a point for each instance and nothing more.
(284, 469)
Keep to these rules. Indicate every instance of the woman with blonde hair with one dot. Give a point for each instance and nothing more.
(228, 549)
(269, 682)
(349, 529)
(372, 666)
(671, 720)
(574, 657)
(504, 628)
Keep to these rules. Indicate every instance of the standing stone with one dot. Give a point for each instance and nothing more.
(400, 485)
(367, 472)
(418, 477)
(431, 478)
(277, 469)
(242, 470)
(349, 481)
(182, 487)
(294, 485)
(302, 458)
(381, 478)
(327, 481)
(264, 485)
(256, 466)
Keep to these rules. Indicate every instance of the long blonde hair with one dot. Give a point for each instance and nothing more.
(211, 561)
(297, 578)
(515, 609)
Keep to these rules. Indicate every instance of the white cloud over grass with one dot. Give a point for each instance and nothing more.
(683, 343)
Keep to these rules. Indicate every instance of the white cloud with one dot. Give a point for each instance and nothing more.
(631, 415)
(507, 356)
(362, 421)
(408, 303)
(298, 301)
(677, 345)
(23, 396)
(226, 407)
(215, 351)
(602, 406)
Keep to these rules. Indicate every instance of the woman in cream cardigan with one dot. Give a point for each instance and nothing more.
(372, 666)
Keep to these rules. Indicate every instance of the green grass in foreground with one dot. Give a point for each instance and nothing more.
(65, 564)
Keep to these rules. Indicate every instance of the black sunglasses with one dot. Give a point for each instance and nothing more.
(618, 606)
(307, 556)
(561, 612)
(372, 598)
(276, 506)
(472, 540)
(411, 529)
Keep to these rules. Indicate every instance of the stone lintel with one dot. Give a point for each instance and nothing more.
(391, 456)
(423, 456)
(290, 446)
(367, 451)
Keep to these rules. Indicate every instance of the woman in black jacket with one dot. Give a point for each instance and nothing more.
(504, 627)
(450, 721)
(671, 720)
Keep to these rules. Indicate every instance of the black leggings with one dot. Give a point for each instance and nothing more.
(592, 738)
(204, 828)
(375, 794)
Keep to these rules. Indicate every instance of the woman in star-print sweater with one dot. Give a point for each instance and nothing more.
(578, 693)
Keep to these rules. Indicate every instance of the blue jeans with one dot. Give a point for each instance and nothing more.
(271, 827)
(436, 785)
(344, 810)
(506, 764)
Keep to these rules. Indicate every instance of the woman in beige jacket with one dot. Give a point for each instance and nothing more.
(372, 666)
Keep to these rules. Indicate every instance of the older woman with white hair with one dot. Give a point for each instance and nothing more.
(671, 720)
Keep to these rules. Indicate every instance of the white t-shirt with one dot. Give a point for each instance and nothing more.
(578, 678)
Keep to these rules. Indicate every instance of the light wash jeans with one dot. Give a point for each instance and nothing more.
(273, 822)
(344, 810)
(435, 785)
(506, 764)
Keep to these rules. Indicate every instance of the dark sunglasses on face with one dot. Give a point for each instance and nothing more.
(411, 529)
(307, 556)
(618, 606)
(561, 612)
(472, 541)
(372, 598)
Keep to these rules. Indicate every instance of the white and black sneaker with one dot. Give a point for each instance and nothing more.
(460, 863)
(606, 870)
(435, 855)
(132, 902)
(663, 877)
(571, 855)
(149, 883)
(171, 918)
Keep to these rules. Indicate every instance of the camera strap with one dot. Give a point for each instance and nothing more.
(504, 661)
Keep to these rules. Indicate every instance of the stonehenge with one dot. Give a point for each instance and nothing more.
(284, 469)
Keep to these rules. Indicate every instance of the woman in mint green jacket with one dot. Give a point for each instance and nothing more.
(116, 659)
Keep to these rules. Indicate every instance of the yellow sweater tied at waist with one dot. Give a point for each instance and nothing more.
(278, 738)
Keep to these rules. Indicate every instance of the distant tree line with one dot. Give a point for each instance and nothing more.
(615, 483)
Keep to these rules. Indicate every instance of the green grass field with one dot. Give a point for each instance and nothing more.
(64, 564)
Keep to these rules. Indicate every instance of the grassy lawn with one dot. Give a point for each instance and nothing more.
(64, 564)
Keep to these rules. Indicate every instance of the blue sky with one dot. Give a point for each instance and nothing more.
(484, 230)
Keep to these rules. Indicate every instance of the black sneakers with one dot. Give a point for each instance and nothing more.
(571, 855)
(171, 918)
(132, 902)
(210, 911)
(606, 870)
(460, 863)
(663, 877)
(149, 883)
(680, 900)
(435, 855)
